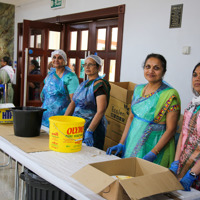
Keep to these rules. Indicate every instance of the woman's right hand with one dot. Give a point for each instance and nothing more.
(174, 166)
(118, 148)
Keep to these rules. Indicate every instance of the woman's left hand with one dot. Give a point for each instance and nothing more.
(88, 138)
(150, 156)
(187, 181)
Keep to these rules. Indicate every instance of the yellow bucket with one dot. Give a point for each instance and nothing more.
(66, 133)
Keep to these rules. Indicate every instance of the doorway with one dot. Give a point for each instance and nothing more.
(95, 32)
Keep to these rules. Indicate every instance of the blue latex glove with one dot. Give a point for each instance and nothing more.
(118, 148)
(88, 138)
(174, 166)
(187, 181)
(150, 156)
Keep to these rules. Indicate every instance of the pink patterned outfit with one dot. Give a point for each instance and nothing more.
(190, 146)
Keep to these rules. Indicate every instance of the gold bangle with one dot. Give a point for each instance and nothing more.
(156, 150)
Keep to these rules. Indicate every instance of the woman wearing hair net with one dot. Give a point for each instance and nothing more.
(59, 86)
(90, 102)
(187, 160)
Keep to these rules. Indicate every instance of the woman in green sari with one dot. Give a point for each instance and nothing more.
(155, 109)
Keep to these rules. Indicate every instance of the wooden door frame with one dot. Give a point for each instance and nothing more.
(105, 13)
(27, 24)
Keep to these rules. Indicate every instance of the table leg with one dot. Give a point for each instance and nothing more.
(8, 163)
(16, 181)
(22, 186)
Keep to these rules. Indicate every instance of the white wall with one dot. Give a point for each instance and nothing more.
(146, 30)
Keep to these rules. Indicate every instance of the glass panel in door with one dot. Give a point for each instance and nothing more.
(84, 40)
(72, 64)
(114, 32)
(36, 40)
(112, 70)
(73, 42)
(54, 40)
(101, 72)
(101, 39)
(82, 70)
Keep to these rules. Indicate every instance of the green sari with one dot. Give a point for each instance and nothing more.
(145, 130)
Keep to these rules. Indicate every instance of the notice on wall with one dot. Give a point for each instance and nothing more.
(57, 4)
(176, 16)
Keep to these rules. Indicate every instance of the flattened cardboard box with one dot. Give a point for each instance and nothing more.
(148, 179)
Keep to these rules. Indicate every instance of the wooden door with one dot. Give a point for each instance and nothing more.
(94, 37)
(41, 39)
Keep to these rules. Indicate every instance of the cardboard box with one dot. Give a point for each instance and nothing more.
(148, 179)
(120, 101)
(109, 143)
(118, 110)
(122, 91)
(114, 130)
(6, 115)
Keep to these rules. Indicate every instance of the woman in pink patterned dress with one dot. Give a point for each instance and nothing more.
(187, 160)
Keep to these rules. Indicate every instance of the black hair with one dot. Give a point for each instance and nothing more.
(160, 57)
(7, 60)
(35, 63)
(193, 90)
(197, 65)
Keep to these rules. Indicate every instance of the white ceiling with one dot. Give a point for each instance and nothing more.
(18, 2)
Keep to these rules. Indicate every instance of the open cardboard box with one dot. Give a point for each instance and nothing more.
(148, 179)
(122, 91)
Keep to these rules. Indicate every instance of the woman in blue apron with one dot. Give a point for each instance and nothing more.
(90, 102)
(60, 84)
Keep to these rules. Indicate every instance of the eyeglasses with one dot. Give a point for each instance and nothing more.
(58, 57)
(89, 65)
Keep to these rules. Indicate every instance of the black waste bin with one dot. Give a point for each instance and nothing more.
(27, 121)
(39, 189)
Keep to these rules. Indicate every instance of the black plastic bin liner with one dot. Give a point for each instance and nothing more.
(27, 121)
(39, 189)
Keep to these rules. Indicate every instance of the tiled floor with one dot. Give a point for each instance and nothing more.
(7, 179)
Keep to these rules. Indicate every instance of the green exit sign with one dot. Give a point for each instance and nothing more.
(57, 4)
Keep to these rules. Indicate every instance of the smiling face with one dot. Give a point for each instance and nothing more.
(58, 61)
(196, 79)
(153, 70)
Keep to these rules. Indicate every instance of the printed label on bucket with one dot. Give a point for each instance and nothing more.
(65, 138)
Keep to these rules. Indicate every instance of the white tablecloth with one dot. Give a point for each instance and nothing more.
(57, 168)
